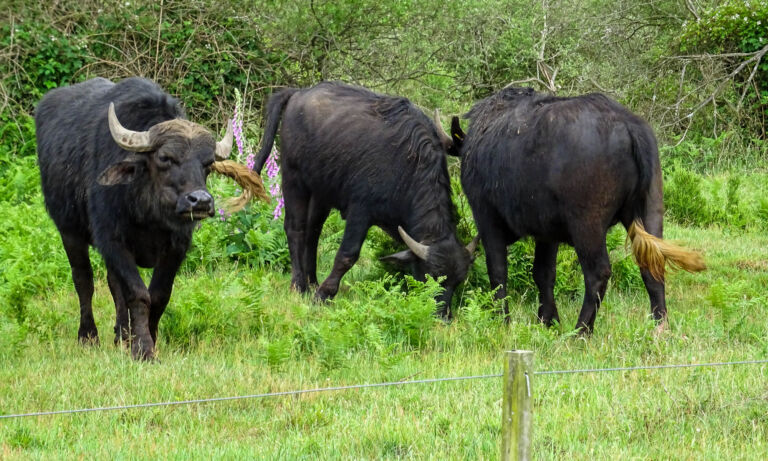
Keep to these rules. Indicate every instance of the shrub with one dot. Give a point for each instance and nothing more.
(255, 238)
(734, 26)
(684, 199)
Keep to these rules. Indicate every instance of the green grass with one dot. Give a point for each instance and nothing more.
(231, 330)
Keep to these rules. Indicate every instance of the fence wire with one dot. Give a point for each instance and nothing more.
(368, 386)
(649, 367)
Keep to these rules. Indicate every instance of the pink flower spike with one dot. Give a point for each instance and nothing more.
(279, 208)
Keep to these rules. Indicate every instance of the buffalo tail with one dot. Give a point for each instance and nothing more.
(249, 180)
(651, 253)
(275, 107)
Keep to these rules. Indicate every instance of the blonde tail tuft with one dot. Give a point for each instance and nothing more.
(651, 253)
(249, 180)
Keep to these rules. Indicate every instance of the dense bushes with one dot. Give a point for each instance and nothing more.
(200, 50)
(727, 46)
(731, 200)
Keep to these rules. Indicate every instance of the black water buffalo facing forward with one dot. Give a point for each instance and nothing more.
(566, 170)
(123, 171)
(377, 159)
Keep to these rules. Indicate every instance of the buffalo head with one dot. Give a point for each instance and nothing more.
(445, 258)
(173, 158)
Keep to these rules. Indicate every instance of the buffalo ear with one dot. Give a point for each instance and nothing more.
(124, 172)
(457, 134)
(401, 257)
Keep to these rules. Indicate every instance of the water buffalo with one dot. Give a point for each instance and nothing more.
(566, 170)
(122, 170)
(380, 161)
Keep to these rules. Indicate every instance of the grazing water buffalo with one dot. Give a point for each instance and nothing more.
(377, 159)
(122, 170)
(566, 170)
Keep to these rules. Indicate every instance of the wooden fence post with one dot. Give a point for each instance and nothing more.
(517, 411)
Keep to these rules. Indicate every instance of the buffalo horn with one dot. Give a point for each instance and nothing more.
(472, 246)
(419, 249)
(444, 138)
(224, 147)
(134, 141)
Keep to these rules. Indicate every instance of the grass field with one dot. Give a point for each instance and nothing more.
(231, 330)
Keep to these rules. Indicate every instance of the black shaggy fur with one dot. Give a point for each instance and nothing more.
(377, 159)
(134, 208)
(560, 170)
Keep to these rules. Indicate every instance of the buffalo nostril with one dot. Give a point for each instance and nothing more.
(199, 197)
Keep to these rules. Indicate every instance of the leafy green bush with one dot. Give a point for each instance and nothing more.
(684, 198)
(387, 315)
(45, 58)
(213, 308)
(33, 258)
(733, 26)
(732, 200)
(198, 54)
(255, 238)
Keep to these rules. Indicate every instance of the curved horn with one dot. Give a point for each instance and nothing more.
(419, 249)
(224, 147)
(444, 138)
(472, 245)
(134, 141)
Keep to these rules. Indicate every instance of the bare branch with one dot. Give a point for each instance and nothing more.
(527, 80)
(755, 57)
(691, 7)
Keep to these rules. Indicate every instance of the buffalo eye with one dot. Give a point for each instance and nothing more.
(207, 166)
(164, 160)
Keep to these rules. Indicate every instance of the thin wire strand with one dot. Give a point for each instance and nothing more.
(252, 396)
(368, 386)
(649, 367)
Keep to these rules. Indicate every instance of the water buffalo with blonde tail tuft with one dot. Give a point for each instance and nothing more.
(566, 170)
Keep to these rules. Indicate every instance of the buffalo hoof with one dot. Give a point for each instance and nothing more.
(88, 340)
(584, 330)
(661, 328)
(121, 336)
(143, 355)
(322, 295)
(88, 336)
(549, 322)
(444, 315)
(143, 350)
(299, 286)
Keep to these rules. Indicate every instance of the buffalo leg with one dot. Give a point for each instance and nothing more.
(160, 289)
(82, 276)
(653, 221)
(655, 287)
(317, 215)
(122, 326)
(296, 209)
(495, 244)
(349, 251)
(121, 264)
(544, 270)
(596, 266)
